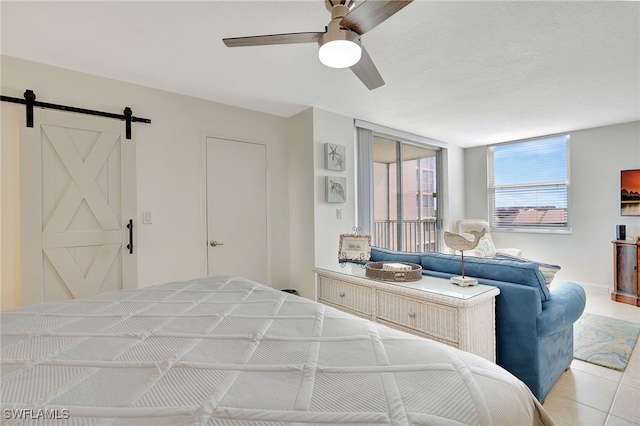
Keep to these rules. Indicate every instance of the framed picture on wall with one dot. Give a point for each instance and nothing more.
(630, 192)
(335, 156)
(336, 189)
(354, 247)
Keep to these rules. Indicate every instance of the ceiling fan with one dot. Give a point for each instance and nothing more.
(339, 45)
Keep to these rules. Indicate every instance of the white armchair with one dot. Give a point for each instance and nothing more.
(486, 247)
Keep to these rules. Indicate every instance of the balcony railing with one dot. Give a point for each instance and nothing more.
(417, 235)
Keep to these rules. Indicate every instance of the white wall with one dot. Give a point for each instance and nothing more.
(313, 225)
(597, 157)
(10, 219)
(332, 128)
(301, 203)
(170, 168)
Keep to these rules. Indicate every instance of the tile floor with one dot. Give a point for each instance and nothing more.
(588, 394)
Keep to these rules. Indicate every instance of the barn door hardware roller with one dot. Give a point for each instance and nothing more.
(30, 102)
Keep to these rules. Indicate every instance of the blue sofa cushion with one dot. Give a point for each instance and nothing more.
(523, 273)
(564, 308)
(548, 270)
(383, 255)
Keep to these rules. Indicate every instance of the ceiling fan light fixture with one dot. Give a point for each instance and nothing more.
(339, 49)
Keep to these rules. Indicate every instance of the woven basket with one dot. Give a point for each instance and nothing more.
(374, 270)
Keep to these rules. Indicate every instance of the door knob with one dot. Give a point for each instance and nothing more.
(214, 243)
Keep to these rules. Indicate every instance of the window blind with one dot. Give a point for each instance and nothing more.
(364, 164)
(529, 184)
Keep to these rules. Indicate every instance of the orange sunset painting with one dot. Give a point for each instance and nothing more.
(630, 192)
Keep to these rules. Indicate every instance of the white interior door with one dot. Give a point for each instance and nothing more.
(237, 209)
(78, 192)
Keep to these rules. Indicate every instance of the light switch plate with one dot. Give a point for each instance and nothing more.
(146, 217)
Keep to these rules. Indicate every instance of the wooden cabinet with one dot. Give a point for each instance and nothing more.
(626, 257)
(462, 317)
(349, 297)
(436, 321)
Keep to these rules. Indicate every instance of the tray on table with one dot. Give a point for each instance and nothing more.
(409, 271)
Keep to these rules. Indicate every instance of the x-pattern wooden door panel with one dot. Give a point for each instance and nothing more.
(86, 187)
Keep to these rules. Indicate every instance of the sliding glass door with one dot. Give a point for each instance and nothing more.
(404, 195)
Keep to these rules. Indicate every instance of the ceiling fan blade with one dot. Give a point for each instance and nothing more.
(367, 72)
(264, 40)
(370, 14)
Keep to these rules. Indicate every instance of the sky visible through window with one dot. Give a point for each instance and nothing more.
(541, 164)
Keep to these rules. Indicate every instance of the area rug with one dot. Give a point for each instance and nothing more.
(604, 341)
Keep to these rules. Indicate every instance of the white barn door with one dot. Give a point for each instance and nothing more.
(237, 209)
(78, 193)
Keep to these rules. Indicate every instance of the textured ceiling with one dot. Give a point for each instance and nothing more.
(465, 73)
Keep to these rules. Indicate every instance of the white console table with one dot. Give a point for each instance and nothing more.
(463, 317)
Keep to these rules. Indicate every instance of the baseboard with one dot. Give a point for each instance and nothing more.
(595, 288)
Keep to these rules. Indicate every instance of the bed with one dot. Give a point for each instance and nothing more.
(224, 350)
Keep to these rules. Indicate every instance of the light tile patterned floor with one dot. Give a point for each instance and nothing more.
(588, 394)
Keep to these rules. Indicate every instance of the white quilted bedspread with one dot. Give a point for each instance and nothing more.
(227, 351)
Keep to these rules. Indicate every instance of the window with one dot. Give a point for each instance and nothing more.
(529, 185)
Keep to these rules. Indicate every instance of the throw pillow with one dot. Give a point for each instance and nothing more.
(548, 271)
(485, 248)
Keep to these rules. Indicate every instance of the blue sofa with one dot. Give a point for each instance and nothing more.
(534, 325)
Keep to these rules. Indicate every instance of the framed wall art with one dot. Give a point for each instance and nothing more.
(336, 189)
(630, 192)
(335, 156)
(354, 247)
